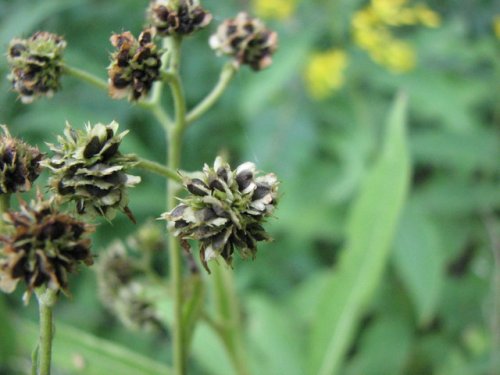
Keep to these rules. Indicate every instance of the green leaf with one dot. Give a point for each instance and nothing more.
(275, 340)
(370, 231)
(192, 308)
(7, 334)
(395, 332)
(419, 260)
(79, 352)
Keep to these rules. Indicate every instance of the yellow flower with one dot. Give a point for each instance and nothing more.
(427, 16)
(496, 26)
(278, 9)
(399, 57)
(324, 72)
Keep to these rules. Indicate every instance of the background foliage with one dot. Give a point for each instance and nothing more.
(421, 262)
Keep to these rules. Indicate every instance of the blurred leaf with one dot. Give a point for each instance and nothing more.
(7, 334)
(275, 341)
(385, 348)
(271, 81)
(192, 308)
(371, 227)
(79, 352)
(419, 260)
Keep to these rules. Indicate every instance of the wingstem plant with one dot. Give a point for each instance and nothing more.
(226, 208)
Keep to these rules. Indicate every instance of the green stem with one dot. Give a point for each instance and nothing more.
(46, 301)
(225, 77)
(174, 161)
(4, 206)
(159, 169)
(85, 77)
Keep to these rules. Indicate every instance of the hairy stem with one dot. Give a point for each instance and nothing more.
(174, 161)
(158, 169)
(225, 77)
(46, 301)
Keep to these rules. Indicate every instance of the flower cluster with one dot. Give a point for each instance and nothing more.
(184, 19)
(36, 65)
(325, 72)
(372, 31)
(225, 210)
(19, 164)
(278, 9)
(89, 170)
(246, 39)
(135, 65)
(45, 245)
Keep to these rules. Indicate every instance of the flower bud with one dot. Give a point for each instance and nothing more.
(225, 211)
(88, 169)
(43, 247)
(247, 40)
(185, 19)
(36, 65)
(19, 164)
(135, 66)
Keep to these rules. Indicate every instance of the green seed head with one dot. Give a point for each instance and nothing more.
(36, 65)
(88, 169)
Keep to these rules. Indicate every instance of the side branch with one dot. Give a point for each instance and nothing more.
(225, 77)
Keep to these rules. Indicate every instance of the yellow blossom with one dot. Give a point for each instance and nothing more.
(324, 72)
(496, 26)
(399, 57)
(278, 9)
(427, 16)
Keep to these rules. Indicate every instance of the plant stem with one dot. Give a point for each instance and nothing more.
(85, 77)
(225, 77)
(174, 160)
(46, 300)
(158, 169)
(4, 206)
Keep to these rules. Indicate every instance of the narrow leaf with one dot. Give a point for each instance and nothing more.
(419, 261)
(370, 231)
(78, 351)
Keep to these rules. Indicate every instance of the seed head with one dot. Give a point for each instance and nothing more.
(36, 65)
(225, 210)
(247, 40)
(185, 19)
(88, 169)
(43, 247)
(19, 164)
(135, 66)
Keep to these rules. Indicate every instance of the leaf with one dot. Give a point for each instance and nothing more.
(370, 230)
(419, 260)
(78, 351)
(395, 332)
(7, 334)
(275, 341)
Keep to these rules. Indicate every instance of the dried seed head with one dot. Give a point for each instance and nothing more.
(185, 19)
(247, 40)
(43, 247)
(36, 65)
(19, 164)
(88, 169)
(225, 211)
(135, 66)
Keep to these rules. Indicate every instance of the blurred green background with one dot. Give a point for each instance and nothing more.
(319, 125)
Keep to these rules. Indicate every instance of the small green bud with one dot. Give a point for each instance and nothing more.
(246, 39)
(225, 211)
(135, 66)
(87, 168)
(19, 164)
(36, 65)
(185, 19)
(43, 247)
